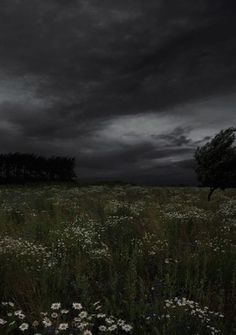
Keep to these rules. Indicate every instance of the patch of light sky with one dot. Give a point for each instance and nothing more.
(199, 120)
(20, 89)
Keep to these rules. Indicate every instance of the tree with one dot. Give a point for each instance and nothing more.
(216, 162)
(21, 168)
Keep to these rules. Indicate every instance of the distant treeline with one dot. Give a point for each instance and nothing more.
(21, 168)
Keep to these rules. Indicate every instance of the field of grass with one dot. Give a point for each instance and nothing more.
(117, 260)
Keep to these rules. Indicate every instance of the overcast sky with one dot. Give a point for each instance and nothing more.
(128, 87)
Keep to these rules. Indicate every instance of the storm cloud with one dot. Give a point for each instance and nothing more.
(129, 87)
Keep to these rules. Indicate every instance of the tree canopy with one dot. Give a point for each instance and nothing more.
(216, 161)
(20, 168)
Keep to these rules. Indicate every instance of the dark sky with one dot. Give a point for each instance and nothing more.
(129, 87)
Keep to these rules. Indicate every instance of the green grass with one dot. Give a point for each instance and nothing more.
(133, 249)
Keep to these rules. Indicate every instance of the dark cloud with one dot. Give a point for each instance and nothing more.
(177, 137)
(73, 71)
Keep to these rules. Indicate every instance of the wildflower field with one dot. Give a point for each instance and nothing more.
(117, 260)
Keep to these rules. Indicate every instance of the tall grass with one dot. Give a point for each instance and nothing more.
(161, 258)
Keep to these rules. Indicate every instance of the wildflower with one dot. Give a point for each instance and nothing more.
(35, 323)
(113, 327)
(87, 332)
(64, 311)
(54, 315)
(96, 303)
(2, 322)
(83, 314)
(127, 328)
(47, 322)
(77, 305)
(63, 326)
(109, 320)
(56, 305)
(120, 322)
(24, 326)
(102, 328)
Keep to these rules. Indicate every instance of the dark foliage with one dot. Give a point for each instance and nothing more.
(21, 168)
(216, 162)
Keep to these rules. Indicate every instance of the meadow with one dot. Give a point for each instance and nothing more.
(117, 260)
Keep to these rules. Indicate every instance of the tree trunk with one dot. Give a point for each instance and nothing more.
(212, 189)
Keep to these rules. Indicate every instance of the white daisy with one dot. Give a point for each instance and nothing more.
(83, 314)
(87, 332)
(2, 322)
(24, 326)
(56, 305)
(77, 305)
(63, 326)
(102, 328)
(127, 328)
